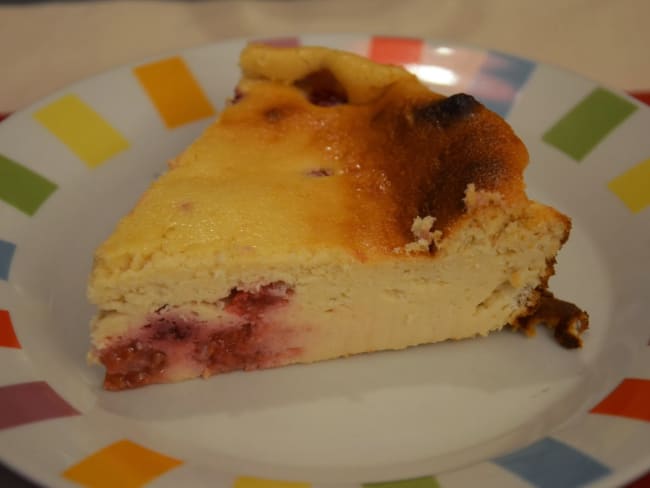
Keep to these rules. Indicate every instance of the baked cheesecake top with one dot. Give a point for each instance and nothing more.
(320, 149)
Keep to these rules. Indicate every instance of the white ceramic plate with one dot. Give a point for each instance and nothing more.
(500, 411)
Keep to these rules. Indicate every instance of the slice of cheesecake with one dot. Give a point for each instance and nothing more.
(336, 207)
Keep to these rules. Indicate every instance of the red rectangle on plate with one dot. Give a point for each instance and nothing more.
(644, 96)
(395, 50)
(630, 399)
(7, 333)
(25, 403)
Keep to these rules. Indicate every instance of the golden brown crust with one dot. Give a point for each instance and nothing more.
(348, 151)
(406, 153)
(428, 160)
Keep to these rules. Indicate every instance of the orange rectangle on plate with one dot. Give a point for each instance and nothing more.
(395, 50)
(172, 88)
(86, 133)
(630, 399)
(7, 334)
(124, 464)
(250, 482)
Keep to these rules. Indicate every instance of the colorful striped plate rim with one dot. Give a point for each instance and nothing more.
(502, 411)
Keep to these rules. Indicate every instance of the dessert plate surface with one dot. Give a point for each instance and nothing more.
(504, 411)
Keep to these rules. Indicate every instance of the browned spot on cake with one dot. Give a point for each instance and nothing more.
(319, 172)
(275, 114)
(186, 206)
(446, 111)
(565, 319)
(238, 96)
(323, 89)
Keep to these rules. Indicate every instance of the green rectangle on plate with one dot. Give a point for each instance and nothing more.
(588, 123)
(23, 188)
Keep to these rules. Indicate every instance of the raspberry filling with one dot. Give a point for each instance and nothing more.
(172, 342)
(251, 305)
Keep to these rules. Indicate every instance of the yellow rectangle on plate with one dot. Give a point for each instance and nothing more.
(633, 186)
(123, 464)
(174, 91)
(250, 482)
(84, 131)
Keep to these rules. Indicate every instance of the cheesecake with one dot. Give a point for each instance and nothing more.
(335, 207)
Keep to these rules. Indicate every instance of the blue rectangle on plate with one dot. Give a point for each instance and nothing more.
(6, 255)
(500, 79)
(549, 463)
